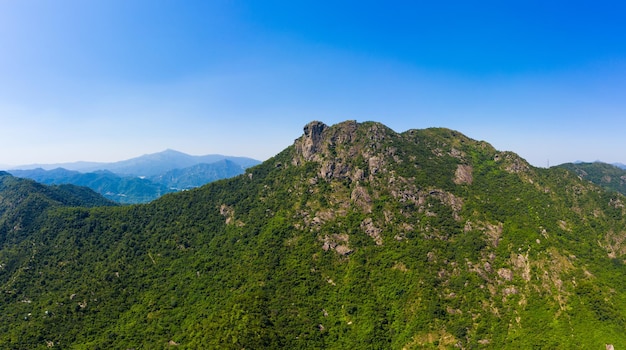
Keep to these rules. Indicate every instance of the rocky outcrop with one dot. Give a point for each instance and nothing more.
(336, 242)
(361, 199)
(338, 148)
(463, 174)
(310, 143)
(229, 213)
(371, 230)
(512, 162)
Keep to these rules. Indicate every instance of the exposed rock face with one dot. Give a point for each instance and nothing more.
(505, 274)
(521, 263)
(368, 226)
(463, 174)
(513, 162)
(309, 143)
(362, 199)
(336, 149)
(337, 242)
(227, 212)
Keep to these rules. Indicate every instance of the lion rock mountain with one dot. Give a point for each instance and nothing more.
(356, 236)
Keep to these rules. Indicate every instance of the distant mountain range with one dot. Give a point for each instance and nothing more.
(147, 165)
(198, 175)
(122, 189)
(141, 179)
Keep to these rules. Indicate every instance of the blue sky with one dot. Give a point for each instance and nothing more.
(106, 80)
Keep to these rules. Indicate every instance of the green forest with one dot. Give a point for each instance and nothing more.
(605, 175)
(354, 237)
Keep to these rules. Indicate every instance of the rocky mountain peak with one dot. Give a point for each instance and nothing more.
(340, 147)
(309, 144)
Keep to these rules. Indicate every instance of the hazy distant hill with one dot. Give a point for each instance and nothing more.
(75, 166)
(353, 237)
(132, 189)
(158, 163)
(605, 175)
(146, 165)
(122, 189)
(142, 179)
(620, 165)
(199, 174)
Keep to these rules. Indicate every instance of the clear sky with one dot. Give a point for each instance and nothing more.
(106, 80)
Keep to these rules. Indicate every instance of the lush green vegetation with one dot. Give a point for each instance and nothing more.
(354, 237)
(605, 175)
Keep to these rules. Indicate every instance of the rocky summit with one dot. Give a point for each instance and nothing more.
(354, 237)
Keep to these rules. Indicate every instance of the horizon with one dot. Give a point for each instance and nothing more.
(14, 166)
(106, 81)
(8, 167)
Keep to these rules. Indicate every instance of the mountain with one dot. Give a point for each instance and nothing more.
(53, 176)
(620, 165)
(147, 165)
(15, 191)
(127, 189)
(354, 237)
(158, 163)
(23, 201)
(609, 176)
(132, 189)
(75, 166)
(198, 175)
(141, 179)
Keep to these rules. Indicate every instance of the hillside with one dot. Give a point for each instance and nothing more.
(608, 176)
(128, 189)
(354, 237)
(23, 202)
(142, 179)
(121, 189)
